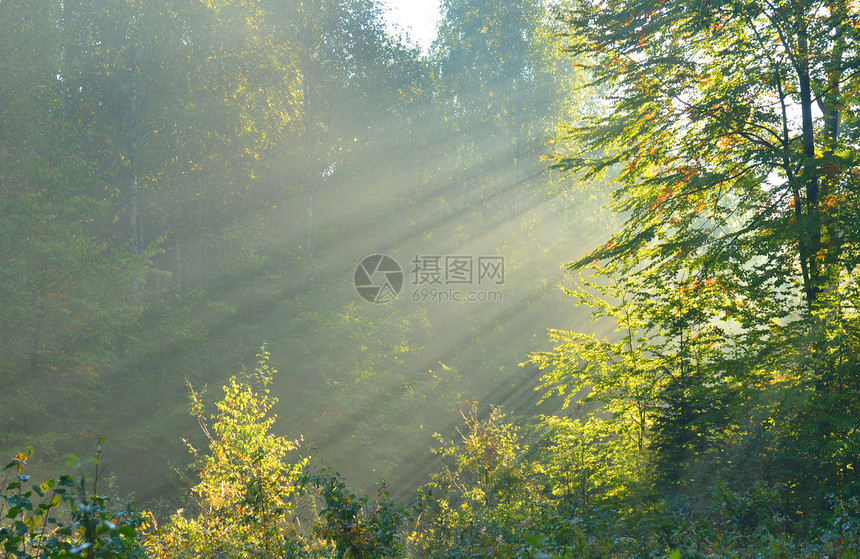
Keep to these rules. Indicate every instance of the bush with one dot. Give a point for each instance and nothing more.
(64, 517)
(246, 492)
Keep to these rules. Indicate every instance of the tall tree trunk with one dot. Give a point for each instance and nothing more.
(134, 209)
(309, 201)
(811, 229)
(310, 141)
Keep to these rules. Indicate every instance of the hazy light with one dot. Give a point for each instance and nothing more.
(418, 18)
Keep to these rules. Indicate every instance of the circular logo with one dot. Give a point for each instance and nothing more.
(378, 278)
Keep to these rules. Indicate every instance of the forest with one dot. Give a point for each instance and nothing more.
(580, 279)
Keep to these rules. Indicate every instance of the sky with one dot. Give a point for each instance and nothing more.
(418, 18)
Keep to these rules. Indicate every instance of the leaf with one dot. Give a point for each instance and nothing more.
(21, 459)
(128, 531)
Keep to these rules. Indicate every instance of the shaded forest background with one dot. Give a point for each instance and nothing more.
(185, 181)
(672, 187)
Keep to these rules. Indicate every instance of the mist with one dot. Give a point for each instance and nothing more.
(279, 280)
(186, 183)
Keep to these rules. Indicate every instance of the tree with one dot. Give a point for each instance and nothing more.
(485, 498)
(731, 135)
(501, 94)
(716, 155)
(344, 65)
(63, 283)
(246, 487)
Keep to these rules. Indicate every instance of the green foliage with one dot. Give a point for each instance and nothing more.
(731, 340)
(64, 517)
(359, 529)
(249, 498)
(245, 503)
(564, 495)
(479, 502)
(180, 179)
(508, 490)
(622, 375)
(177, 178)
(587, 463)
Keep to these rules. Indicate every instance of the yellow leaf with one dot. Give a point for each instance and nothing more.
(35, 521)
(21, 457)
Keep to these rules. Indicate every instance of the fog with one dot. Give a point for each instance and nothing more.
(186, 183)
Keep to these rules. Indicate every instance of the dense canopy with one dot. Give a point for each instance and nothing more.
(579, 280)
